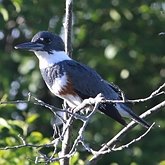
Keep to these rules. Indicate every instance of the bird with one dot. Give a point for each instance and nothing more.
(73, 81)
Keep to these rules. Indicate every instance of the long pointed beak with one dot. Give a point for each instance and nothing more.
(30, 46)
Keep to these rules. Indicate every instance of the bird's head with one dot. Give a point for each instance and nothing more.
(44, 42)
(48, 47)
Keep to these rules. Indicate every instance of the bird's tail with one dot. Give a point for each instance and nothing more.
(125, 111)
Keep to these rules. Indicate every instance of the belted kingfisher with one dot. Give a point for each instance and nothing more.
(73, 81)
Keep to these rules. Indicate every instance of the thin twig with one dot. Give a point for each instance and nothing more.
(122, 133)
(110, 146)
(134, 140)
(82, 129)
(152, 95)
(25, 144)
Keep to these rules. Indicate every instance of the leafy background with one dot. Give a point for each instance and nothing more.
(118, 38)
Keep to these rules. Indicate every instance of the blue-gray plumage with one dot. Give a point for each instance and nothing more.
(73, 81)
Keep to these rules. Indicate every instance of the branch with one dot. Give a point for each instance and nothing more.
(152, 95)
(68, 27)
(156, 93)
(60, 137)
(68, 49)
(122, 133)
(25, 144)
(86, 102)
(134, 140)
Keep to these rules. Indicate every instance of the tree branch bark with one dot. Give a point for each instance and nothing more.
(66, 143)
(68, 27)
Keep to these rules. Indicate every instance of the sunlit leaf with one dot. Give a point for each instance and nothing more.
(162, 162)
(10, 141)
(31, 118)
(4, 13)
(4, 123)
(35, 136)
(75, 158)
(17, 3)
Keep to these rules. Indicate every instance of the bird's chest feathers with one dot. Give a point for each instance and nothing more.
(55, 79)
(59, 84)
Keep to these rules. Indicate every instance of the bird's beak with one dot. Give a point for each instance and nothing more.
(30, 46)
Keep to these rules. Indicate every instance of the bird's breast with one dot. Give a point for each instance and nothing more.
(61, 85)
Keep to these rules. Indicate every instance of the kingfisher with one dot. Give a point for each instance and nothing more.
(73, 81)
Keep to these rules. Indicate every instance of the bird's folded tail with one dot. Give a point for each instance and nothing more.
(110, 110)
(131, 115)
(119, 110)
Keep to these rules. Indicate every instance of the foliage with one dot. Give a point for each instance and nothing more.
(118, 38)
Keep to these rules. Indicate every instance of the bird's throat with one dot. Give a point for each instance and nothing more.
(48, 60)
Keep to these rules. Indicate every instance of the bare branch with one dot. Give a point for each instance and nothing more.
(153, 94)
(134, 140)
(68, 49)
(79, 138)
(25, 144)
(93, 103)
(110, 144)
(68, 27)
(156, 93)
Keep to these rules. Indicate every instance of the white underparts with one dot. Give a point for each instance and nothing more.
(58, 84)
(48, 60)
(72, 101)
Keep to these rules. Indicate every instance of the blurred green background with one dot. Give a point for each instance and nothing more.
(120, 39)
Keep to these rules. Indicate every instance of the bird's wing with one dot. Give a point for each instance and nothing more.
(86, 82)
(120, 93)
(115, 88)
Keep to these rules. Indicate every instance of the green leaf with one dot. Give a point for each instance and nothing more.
(17, 5)
(4, 13)
(10, 141)
(75, 158)
(31, 118)
(35, 137)
(4, 123)
(162, 162)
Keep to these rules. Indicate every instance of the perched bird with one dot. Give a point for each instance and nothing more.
(73, 81)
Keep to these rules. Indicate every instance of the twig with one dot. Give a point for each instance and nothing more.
(109, 147)
(152, 95)
(134, 140)
(79, 138)
(25, 144)
(122, 133)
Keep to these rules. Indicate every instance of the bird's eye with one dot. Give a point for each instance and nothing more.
(46, 40)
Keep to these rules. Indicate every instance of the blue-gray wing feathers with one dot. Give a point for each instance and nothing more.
(88, 83)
